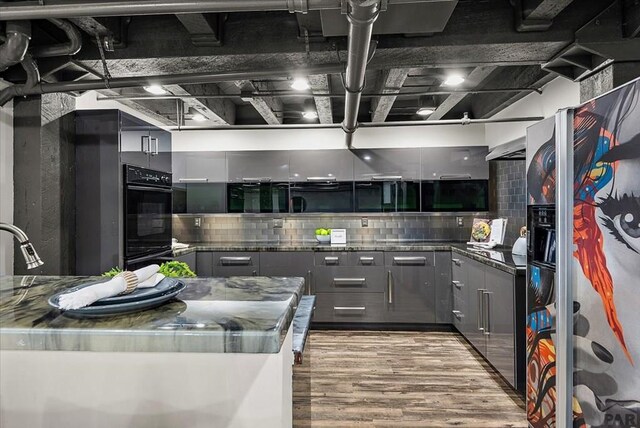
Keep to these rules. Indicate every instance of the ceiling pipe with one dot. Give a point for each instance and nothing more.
(71, 47)
(165, 79)
(361, 14)
(100, 8)
(15, 46)
(463, 121)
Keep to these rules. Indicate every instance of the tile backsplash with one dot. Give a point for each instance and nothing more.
(301, 228)
(509, 183)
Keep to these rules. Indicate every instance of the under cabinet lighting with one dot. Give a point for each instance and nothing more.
(300, 84)
(453, 80)
(155, 89)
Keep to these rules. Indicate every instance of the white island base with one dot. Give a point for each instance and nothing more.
(55, 389)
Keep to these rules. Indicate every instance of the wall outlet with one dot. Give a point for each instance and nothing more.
(460, 221)
(197, 222)
(278, 223)
(365, 222)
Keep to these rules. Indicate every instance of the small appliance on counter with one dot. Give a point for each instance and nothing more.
(520, 246)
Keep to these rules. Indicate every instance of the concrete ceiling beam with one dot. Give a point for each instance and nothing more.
(389, 82)
(271, 109)
(320, 84)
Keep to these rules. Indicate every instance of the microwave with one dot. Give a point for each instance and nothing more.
(541, 238)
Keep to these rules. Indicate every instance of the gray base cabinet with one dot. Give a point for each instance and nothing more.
(189, 259)
(410, 294)
(226, 264)
(486, 303)
(289, 263)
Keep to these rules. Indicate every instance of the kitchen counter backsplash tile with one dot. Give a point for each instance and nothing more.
(510, 195)
(297, 228)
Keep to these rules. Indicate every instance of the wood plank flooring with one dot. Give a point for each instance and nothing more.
(399, 379)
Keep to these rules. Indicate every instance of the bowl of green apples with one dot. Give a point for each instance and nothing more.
(323, 235)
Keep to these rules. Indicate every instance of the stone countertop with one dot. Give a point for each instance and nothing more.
(499, 257)
(214, 315)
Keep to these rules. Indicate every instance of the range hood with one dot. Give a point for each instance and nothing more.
(513, 150)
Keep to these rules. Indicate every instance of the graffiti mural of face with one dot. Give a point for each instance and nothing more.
(613, 390)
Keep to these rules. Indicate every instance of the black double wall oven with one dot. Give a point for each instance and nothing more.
(147, 216)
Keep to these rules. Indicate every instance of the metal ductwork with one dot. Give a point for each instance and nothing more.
(99, 8)
(361, 15)
(71, 47)
(167, 79)
(15, 46)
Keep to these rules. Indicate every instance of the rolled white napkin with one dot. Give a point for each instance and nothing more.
(147, 277)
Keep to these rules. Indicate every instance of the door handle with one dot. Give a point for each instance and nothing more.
(331, 260)
(410, 260)
(145, 148)
(154, 146)
(350, 310)
(458, 284)
(350, 282)
(235, 261)
(480, 317)
(390, 287)
(486, 297)
(309, 282)
(366, 260)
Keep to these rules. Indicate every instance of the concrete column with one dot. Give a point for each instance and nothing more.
(609, 78)
(44, 180)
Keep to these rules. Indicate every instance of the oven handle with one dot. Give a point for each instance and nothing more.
(157, 256)
(150, 189)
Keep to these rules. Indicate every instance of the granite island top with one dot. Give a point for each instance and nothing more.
(215, 315)
(499, 257)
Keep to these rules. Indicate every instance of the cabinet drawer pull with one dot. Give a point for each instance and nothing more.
(389, 287)
(386, 178)
(454, 176)
(366, 260)
(458, 284)
(330, 260)
(457, 262)
(458, 315)
(235, 261)
(356, 310)
(486, 299)
(309, 291)
(410, 260)
(350, 281)
(193, 180)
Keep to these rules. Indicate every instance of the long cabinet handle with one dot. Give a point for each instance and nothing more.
(322, 178)
(480, 317)
(454, 176)
(486, 299)
(235, 260)
(193, 180)
(366, 260)
(309, 282)
(389, 287)
(410, 260)
(145, 145)
(386, 178)
(459, 315)
(256, 179)
(350, 309)
(350, 281)
(458, 284)
(330, 260)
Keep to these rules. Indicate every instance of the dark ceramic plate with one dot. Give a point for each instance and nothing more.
(170, 288)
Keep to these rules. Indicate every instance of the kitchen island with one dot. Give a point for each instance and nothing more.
(218, 355)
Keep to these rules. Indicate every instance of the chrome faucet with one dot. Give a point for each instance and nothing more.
(28, 252)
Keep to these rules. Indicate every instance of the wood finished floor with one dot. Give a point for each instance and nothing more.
(399, 379)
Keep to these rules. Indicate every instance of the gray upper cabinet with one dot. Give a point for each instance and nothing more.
(386, 164)
(441, 163)
(318, 165)
(144, 145)
(199, 167)
(258, 166)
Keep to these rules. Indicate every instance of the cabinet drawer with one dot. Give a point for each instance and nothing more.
(333, 258)
(400, 258)
(349, 307)
(291, 259)
(349, 279)
(236, 263)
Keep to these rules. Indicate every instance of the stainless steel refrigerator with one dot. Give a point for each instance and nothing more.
(583, 300)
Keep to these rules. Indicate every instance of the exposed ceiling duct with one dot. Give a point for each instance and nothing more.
(71, 47)
(16, 43)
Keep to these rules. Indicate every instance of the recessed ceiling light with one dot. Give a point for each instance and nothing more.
(199, 117)
(453, 80)
(310, 115)
(155, 89)
(300, 84)
(465, 158)
(425, 111)
(367, 157)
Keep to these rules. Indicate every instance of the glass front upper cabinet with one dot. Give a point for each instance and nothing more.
(258, 197)
(387, 196)
(321, 196)
(455, 196)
